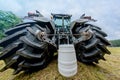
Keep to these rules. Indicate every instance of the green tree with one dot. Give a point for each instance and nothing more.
(7, 20)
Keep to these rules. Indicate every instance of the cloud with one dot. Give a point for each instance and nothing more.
(10, 5)
(105, 11)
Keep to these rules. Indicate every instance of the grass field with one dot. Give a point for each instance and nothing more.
(105, 70)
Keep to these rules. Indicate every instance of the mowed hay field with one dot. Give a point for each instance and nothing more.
(105, 70)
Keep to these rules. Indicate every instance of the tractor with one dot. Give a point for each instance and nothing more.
(32, 45)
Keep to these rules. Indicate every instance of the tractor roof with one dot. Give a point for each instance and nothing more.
(59, 16)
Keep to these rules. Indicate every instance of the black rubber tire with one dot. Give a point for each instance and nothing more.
(23, 51)
(93, 49)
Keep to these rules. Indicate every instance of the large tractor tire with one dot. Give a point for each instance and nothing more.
(23, 50)
(90, 42)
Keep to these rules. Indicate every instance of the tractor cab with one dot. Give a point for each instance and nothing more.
(62, 24)
(62, 21)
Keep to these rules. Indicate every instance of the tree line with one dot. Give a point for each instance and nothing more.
(115, 43)
(7, 20)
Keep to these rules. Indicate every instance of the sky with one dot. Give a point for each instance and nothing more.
(106, 12)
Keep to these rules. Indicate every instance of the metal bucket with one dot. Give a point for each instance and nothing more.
(67, 62)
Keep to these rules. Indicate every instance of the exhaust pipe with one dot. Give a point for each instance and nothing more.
(67, 62)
